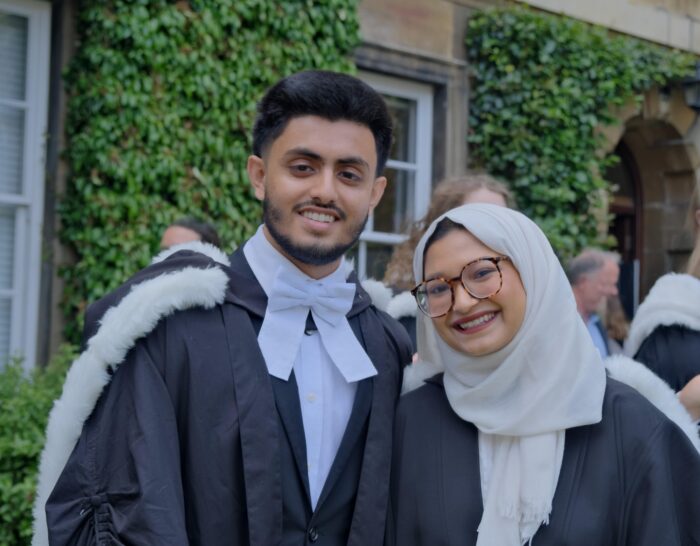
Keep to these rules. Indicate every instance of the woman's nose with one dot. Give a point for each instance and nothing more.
(463, 300)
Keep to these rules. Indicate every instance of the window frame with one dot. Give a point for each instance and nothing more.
(422, 95)
(29, 204)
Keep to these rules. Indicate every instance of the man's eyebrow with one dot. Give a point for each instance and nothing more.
(310, 154)
(353, 160)
(305, 152)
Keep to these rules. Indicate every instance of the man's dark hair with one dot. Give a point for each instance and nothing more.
(207, 233)
(329, 95)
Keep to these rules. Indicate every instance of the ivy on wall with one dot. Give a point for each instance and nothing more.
(162, 101)
(542, 86)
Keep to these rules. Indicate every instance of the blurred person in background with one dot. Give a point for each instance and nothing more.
(593, 276)
(187, 229)
(616, 324)
(665, 332)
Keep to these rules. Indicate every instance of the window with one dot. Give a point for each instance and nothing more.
(24, 66)
(408, 173)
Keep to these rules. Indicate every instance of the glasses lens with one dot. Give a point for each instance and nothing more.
(482, 278)
(434, 297)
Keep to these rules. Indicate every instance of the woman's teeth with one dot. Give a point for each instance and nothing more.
(476, 322)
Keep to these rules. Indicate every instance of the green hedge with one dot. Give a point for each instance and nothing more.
(162, 100)
(25, 401)
(542, 86)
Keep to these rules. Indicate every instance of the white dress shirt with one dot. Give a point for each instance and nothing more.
(326, 397)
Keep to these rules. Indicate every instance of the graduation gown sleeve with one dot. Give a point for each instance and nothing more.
(122, 482)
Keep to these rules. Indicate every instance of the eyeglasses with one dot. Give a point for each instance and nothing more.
(481, 278)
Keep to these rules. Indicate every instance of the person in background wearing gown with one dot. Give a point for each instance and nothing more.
(188, 229)
(509, 431)
(665, 332)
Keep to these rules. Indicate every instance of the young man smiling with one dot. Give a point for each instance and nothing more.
(250, 399)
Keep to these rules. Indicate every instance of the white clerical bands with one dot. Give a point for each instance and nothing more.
(289, 302)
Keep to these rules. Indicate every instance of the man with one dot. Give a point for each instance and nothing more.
(188, 229)
(593, 275)
(256, 400)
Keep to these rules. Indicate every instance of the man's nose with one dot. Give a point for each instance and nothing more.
(324, 186)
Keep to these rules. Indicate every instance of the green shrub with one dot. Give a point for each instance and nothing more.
(25, 402)
(543, 84)
(162, 99)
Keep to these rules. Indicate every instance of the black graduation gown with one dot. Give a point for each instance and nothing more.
(672, 353)
(631, 480)
(190, 444)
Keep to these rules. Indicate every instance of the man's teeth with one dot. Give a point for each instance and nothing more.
(476, 322)
(319, 217)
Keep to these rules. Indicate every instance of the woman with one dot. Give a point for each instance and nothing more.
(665, 332)
(448, 194)
(521, 436)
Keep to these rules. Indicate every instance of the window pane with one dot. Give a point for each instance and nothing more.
(403, 112)
(11, 149)
(13, 59)
(7, 246)
(378, 257)
(5, 309)
(395, 213)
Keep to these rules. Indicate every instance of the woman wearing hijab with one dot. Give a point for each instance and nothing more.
(516, 435)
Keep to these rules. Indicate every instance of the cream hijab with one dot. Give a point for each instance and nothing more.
(524, 396)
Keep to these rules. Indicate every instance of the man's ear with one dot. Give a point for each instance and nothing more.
(256, 175)
(378, 188)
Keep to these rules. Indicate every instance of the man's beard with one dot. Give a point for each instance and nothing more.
(308, 254)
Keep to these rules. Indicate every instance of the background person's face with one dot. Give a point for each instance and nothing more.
(318, 185)
(175, 235)
(484, 195)
(475, 327)
(607, 279)
(597, 286)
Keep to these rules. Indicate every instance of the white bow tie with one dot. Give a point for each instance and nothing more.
(289, 303)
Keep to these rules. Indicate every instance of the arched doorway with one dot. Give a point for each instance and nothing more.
(653, 181)
(626, 224)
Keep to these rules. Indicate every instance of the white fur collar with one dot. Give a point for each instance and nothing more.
(620, 367)
(672, 300)
(379, 293)
(401, 305)
(132, 318)
(207, 249)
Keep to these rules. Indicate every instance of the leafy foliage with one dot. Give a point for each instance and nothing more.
(162, 99)
(542, 85)
(25, 402)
